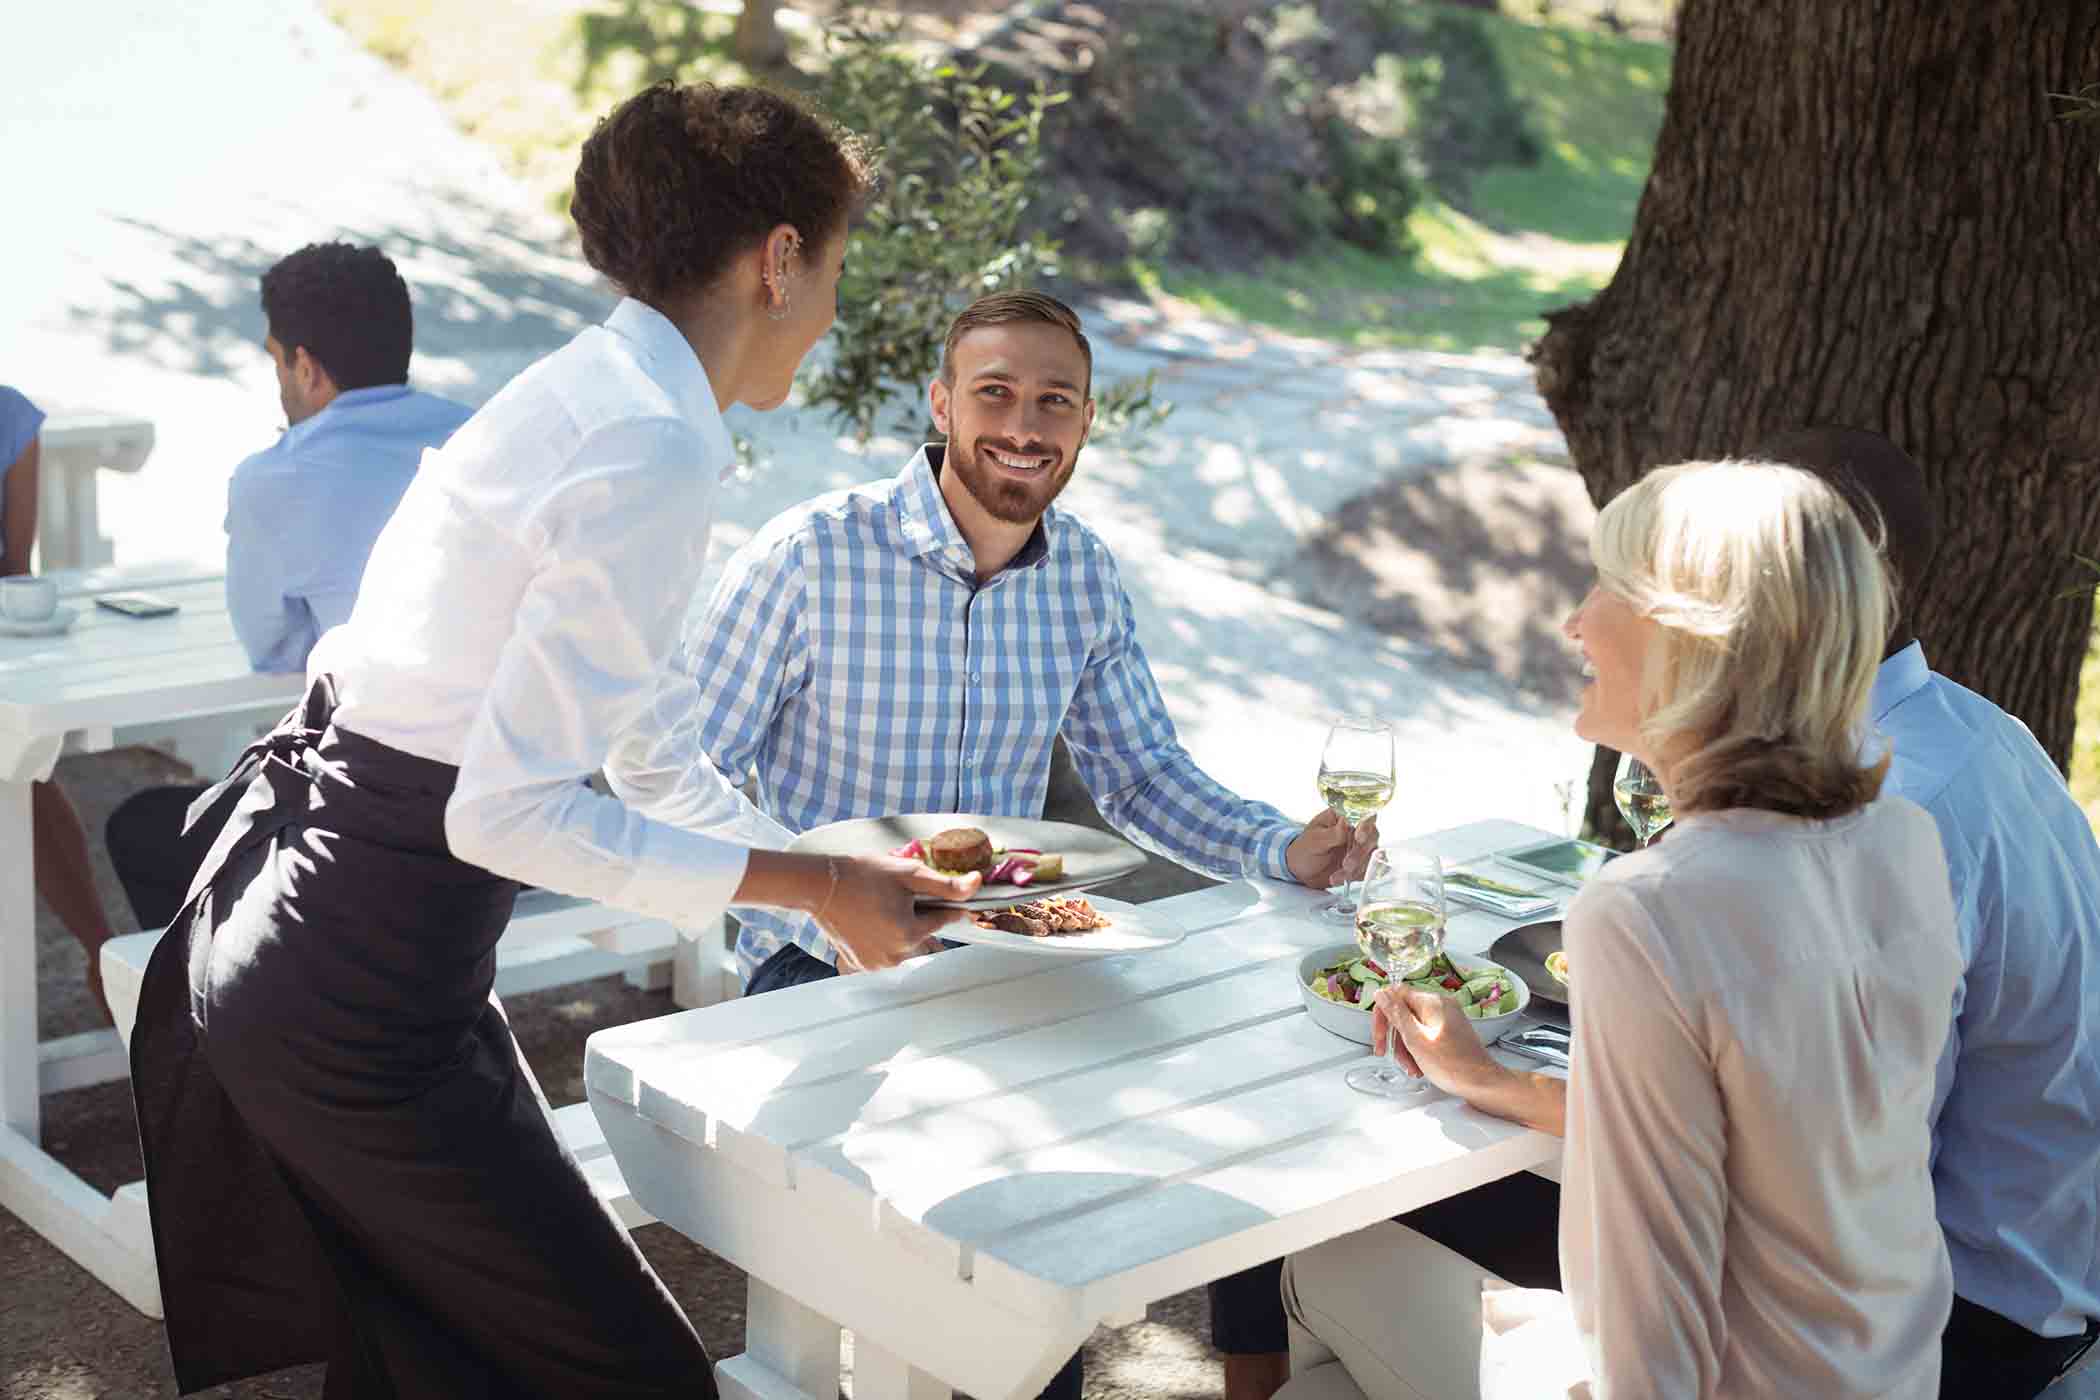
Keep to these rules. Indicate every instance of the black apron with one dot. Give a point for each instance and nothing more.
(345, 1157)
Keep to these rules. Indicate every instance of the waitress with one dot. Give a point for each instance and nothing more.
(347, 1158)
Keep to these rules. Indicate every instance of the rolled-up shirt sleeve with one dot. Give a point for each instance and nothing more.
(1644, 1206)
(582, 675)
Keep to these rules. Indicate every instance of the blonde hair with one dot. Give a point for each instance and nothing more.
(1772, 608)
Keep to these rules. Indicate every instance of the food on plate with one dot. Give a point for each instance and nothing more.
(1354, 980)
(959, 850)
(963, 849)
(1043, 918)
(1557, 964)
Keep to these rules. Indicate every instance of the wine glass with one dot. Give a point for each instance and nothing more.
(1641, 799)
(1356, 780)
(1399, 926)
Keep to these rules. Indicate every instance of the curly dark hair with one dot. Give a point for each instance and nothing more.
(678, 180)
(348, 307)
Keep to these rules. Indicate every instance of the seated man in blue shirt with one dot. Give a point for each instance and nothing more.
(302, 514)
(2016, 1138)
(918, 644)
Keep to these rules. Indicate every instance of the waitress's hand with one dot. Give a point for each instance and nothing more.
(870, 915)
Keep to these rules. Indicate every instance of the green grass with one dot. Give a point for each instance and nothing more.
(2085, 747)
(530, 77)
(1532, 237)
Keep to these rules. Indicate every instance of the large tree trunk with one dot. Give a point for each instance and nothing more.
(758, 43)
(1862, 213)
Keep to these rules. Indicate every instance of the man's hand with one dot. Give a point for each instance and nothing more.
(1327, 853)
(870, 915)
(1436, 1041)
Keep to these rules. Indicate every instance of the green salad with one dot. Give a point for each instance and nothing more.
(1354, 980)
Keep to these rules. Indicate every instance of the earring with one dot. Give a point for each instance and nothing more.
(777, 311)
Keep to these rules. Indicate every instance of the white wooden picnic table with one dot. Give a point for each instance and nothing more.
(108, 673)
(974, 1159)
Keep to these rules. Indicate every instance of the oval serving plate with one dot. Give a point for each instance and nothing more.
(1131, 929)
(1523, 951)
(1092, 857)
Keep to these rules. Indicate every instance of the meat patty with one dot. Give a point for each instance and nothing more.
(959, 850)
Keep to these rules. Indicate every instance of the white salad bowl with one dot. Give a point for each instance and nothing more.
(1354, 1022)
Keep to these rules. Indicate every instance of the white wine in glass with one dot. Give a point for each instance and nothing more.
(1355, 795)
(1641, 799)
(1399, 926)
(1357, 769)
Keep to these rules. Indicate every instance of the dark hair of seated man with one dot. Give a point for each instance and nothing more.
(347, 307)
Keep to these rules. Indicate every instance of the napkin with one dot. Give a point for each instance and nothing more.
(1529, 1348)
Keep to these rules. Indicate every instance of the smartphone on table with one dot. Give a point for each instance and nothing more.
(137, 604)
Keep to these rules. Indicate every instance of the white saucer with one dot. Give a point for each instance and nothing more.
(59, 621)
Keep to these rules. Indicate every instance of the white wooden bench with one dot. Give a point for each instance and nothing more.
(553, 940)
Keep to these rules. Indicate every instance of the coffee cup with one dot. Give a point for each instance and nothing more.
(25, 599)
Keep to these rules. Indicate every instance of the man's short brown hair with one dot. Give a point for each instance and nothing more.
(1010, 308)
(678, 180)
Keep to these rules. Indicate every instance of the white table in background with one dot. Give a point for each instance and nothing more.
(973, 1160)
(77, 446)
(109, 673)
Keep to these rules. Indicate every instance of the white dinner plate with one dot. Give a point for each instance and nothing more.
(60, 621)
(1133, 929)
(1092, 857)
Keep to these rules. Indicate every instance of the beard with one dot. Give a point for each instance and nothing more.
(1014, 501)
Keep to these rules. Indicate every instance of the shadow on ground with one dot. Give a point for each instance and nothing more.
(1482, 564)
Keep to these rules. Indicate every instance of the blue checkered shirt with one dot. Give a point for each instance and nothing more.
(850, 665)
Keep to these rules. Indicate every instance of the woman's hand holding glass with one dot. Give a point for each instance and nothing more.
(1431, 1036)
(1400, 928)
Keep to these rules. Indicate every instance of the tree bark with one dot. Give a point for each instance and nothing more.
(1862, 213)
(758, 43)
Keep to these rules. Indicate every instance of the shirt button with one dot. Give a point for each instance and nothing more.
(976, 679)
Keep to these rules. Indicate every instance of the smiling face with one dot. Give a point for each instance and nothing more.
(1614, 641)
(1015, 416)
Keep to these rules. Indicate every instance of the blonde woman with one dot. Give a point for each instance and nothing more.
(1759, 1003)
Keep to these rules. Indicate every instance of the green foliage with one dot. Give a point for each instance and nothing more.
(1463, 113)
(638, 42)
(962, 163)
(1371, 189)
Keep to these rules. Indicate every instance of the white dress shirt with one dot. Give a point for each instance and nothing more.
(1748, 1203)
(519, 609)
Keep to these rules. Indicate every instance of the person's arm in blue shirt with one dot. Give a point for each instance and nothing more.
(20, 461)
(1144, 782)
(18, 506)
(273, 621)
